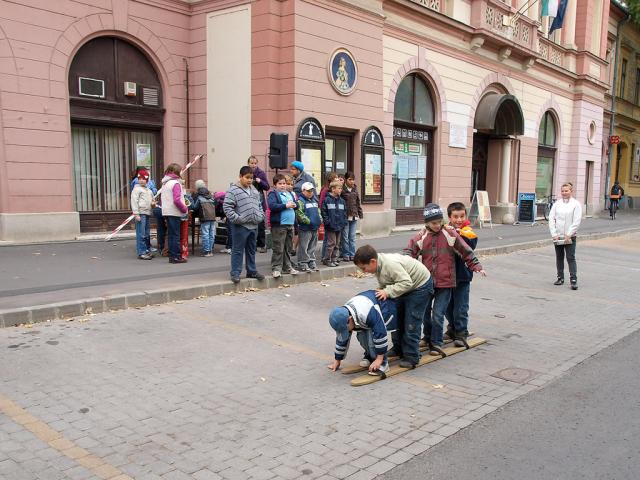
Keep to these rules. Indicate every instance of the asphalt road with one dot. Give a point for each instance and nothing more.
(585, 425)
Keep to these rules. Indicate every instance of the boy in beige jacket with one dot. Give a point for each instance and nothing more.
(409, 282)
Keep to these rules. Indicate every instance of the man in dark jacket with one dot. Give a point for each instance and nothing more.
(262, 185)
(300, 177)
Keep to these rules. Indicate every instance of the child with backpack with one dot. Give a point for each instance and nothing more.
(309, 220)
(204, 206)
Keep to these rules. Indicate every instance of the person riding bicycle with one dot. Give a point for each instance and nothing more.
(614, 197)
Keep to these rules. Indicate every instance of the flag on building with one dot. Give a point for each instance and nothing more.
(557, 22)
(550, 8)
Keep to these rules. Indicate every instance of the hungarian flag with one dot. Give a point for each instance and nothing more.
(550, 7)
(557, 22)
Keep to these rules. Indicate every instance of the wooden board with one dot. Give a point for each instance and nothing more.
(396, 369)
(351, 369)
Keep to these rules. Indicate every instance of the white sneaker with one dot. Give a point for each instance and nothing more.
(276, 274)
(294, 271)
(226, 250)
(364, 362)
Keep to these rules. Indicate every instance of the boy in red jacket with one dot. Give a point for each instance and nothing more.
(437, 248)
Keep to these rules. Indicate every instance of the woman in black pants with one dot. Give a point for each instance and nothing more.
(564, 220)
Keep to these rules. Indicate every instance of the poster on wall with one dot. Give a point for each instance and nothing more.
(373, 174)
(143, 155)
(312, 160)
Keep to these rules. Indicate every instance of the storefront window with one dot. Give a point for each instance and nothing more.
(546, 156)
(409, 174)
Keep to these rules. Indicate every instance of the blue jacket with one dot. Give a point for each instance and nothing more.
(277, 206)
(312, 211)
(463, 274)
(334, 213)
(369, 313)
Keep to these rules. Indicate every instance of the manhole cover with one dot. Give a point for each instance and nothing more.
(516, 375)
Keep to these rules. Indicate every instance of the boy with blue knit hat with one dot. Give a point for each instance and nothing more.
(372, 319)
(300, 177)
(437, 248)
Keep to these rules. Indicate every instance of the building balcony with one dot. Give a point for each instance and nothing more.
(493, 20)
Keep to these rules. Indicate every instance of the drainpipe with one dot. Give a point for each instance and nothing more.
(614, 89)
(186, 88)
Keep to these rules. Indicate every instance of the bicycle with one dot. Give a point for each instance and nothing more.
(550, 200)
(613, 207)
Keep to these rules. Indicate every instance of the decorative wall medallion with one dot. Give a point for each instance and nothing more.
(343, 72)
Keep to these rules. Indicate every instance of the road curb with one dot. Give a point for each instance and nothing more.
(78, 308)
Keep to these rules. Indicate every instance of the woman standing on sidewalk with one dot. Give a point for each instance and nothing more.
(564, 220)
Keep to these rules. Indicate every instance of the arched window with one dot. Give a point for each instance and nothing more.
(413, 101)
(546, 156)
(547, 131)
(414, 126)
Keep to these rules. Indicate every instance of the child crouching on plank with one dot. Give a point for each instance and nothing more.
(372, 319)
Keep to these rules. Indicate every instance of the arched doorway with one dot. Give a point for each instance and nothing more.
(117, 116)
(547, 135)
(495, 158)
(413, 130)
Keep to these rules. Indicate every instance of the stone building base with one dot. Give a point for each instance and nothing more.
(377, 224)
(39, 227)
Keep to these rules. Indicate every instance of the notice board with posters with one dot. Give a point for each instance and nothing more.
(480, 208)
(372, 154)
(527, 208)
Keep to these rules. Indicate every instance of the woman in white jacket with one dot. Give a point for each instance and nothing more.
(564, 220)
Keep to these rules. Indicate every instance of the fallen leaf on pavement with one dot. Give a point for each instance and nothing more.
(284, 285)
(324, 284)
(263, 379)
(228, 294)
(438, 386)
(287, 295)
(28, 325)
(36, 253)
(88, 310)
(96, 258)
(358, 274)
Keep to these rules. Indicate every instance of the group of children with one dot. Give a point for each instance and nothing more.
(416, 292)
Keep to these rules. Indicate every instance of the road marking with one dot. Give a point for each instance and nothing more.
(247, 332)
(57, 441)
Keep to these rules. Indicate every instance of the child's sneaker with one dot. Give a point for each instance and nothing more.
(145, 256)
(293, 271)
(436, 350)
(276, 274)
(303, 268)
(313, 267)
(334, 264)
(365, 362)
(226, 250)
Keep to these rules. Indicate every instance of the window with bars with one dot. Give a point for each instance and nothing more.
(103, 162)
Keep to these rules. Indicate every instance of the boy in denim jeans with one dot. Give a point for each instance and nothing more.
(409, 283)
(458, 310)
(204, 207)
(437, 248)
(372, 319)
(141, 205)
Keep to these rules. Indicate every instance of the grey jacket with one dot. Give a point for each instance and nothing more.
(242, 206)
(302, 178)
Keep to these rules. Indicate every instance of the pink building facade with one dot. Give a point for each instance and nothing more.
(425, 101)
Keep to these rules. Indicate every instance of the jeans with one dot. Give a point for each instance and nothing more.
(261, 241)
(458, 310)
(161, 228)
(229, 242)
(436, 307)
(244, 244)
(143, 235)
(411, 308)
(570, 250)
(348, 239)
(365, 337)
(307, 243)
(173, 225)
(208, 234)
(282, 238)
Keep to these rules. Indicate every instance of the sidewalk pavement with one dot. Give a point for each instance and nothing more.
(61, 280)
